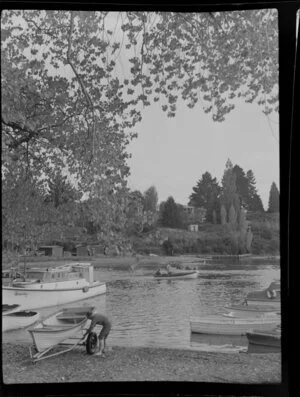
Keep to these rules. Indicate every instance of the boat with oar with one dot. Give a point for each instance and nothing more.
(65, 324)
(12, 318)
(44, 287)
(269, 337)
(227, 325)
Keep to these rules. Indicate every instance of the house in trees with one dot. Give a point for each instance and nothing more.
(194, 217)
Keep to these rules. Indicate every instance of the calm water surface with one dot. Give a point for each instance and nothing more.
(149, 312)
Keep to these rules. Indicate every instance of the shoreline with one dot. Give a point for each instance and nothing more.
(138, 260)
(140, 364)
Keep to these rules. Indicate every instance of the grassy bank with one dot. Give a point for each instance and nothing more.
(141, 364)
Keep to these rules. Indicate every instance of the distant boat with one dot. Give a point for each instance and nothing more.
(60, 326)
(224, 325)
(177, 275)
(12, 318)
(269, 337)
(45, 287)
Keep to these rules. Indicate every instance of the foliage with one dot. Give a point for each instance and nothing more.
(205, 194)
(223, 214)
(254, 202)
(273, 199)
(241, 182)
(67, 107)
(171, 214)
(150, 199)
(229, 194)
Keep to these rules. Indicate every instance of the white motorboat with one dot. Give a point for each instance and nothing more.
(227, 325)
(53, 286)
(12, 318)
(62, 325)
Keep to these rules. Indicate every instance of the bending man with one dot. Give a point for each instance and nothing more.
(106, 327)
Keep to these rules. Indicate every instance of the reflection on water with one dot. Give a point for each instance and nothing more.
(150, 312)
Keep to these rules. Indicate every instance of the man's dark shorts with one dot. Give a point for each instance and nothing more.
(104, 332)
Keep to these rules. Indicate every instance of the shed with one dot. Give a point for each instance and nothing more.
(52, 250)
(82, 250)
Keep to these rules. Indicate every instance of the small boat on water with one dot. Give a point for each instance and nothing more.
(267, 297)
(59, 326)
(269, 337)
(177, 275)
(12, 318)
(226, 325)
(44, 287)
(242, 310)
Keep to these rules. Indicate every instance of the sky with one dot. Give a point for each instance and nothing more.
(173, 153)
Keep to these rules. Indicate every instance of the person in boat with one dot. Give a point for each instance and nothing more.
(99, 319)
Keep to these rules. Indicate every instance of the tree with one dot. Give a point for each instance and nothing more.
(273, 199)
(60, 191)
(65, 104)
(254, 202)
(229, 195)
(241, 183)
(223, 215)
(205, 194)
(150, 199)
(171, 216)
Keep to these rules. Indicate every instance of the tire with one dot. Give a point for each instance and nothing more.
(91, 343)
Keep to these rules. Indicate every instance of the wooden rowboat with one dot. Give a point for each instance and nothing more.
(269, 338)
(58, 327)
(178, 275)
(224, 325)
(12, 318)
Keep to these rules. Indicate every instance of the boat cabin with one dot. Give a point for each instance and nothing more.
(62, 273)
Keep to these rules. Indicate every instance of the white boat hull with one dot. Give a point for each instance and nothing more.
(252, 311)
(58, 327)
(33, 298)
(16, 320)
(219, 325)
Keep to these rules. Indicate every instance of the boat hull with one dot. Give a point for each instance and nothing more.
(19, 319)
(58, 327)
(230, 326)
(268, 338)
(251, 311)
(32, 298)
(188, 275)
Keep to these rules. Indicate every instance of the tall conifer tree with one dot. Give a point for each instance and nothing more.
(273, 199)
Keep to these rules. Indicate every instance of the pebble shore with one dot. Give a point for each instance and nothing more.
(140, 364)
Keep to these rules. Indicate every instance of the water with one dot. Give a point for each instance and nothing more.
(149, 312)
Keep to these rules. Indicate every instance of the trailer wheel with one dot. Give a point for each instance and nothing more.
(91, 343)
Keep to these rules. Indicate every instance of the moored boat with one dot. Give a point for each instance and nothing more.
(177, 275)
(59, 326)
(53, 286)
(12, 319)
(269, 337)
(225, 325)
(242, 310)
(267, 297)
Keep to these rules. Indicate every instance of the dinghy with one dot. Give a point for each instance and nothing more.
(12, 318)
(226, 325)
(57, 327)
(270, 337)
